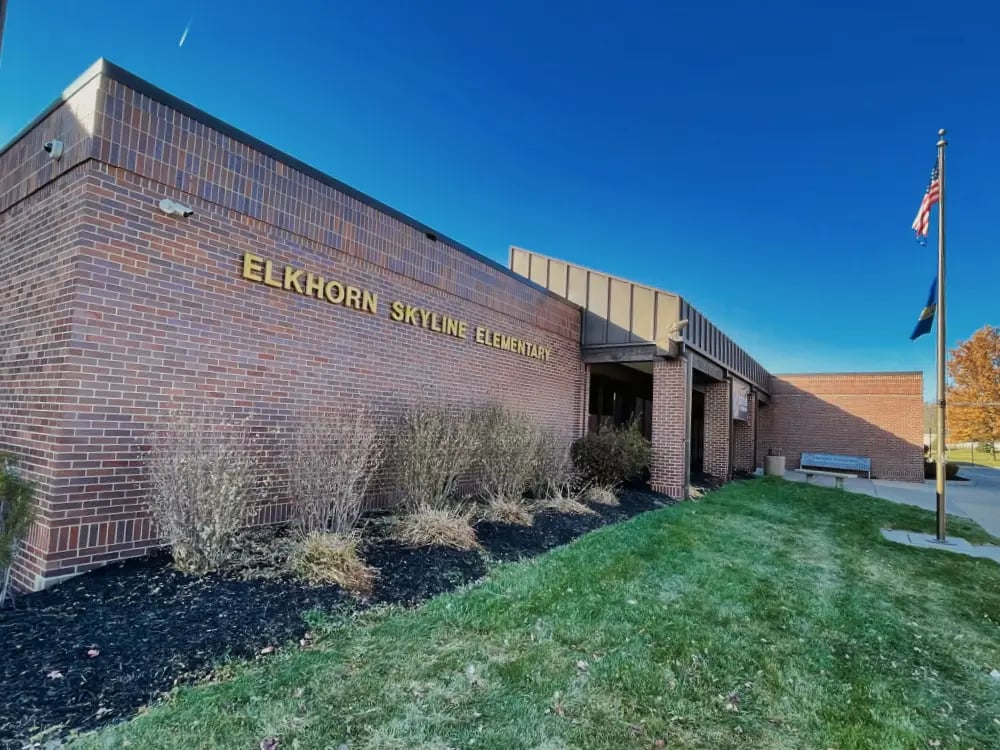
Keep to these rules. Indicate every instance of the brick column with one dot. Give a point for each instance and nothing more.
(584, 400)
(717, 426)
(670, 387)
(743, 455)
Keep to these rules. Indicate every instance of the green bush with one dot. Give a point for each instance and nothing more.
(17, 509)
(612, 455)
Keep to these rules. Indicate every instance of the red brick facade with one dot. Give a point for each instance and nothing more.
(743, 439)
(877, 415)
(718, 422)
(115, 313)
(670, 387)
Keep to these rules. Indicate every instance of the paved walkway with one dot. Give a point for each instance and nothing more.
(953, 544)
(978, 499)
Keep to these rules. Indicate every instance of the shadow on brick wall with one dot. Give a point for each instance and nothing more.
(886, 427)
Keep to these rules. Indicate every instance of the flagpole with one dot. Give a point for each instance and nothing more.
(941, 350)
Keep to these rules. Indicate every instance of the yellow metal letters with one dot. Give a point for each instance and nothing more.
(262, 271)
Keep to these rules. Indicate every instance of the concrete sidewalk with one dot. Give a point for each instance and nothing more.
(978, 499)
(953, 544)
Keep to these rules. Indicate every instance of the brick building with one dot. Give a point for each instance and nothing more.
(865, 414)
(167, 259)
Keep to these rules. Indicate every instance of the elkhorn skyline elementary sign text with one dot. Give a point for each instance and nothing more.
(290, 279)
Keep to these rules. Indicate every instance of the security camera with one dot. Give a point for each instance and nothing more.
(54, 149)
(175, 209)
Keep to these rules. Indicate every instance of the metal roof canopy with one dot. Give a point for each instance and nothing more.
(628, 322)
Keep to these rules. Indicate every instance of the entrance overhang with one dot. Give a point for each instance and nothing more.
(625, 353)
(624, 321)
(706, 366)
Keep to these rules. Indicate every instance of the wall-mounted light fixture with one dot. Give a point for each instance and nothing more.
(674, 333)
(54, 149)
(175, 209)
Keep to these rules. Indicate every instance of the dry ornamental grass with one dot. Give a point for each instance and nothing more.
(601, 495)
(566, 502)
(436, 527)
(501, 509)
(332, 558)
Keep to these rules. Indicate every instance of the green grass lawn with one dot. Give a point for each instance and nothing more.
(965, 456)
(769, 615)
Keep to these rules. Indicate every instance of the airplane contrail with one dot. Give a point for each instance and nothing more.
(184, 36)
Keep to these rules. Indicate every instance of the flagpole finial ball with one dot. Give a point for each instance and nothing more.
(941, 132)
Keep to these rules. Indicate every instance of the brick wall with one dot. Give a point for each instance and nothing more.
(717, 427)
(25, 166)
(41, 212)
(743, 437)
(38, 239)
(670, 386)
(878, 415)
(151, 140)
(146, 313)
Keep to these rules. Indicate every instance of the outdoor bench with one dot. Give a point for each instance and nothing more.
(813, 464)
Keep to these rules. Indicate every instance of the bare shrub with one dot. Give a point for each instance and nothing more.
(436, 527)
(508, 447)
(434, 448)
(565, 502)
(322, 557)
(203, 485)
(333, 456)
(601, 495)
(500, 509)
(17, 510)
(554, 473)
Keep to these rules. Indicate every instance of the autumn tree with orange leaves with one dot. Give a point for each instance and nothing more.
(974, 392)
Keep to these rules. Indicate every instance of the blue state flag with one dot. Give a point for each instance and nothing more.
(926, 320)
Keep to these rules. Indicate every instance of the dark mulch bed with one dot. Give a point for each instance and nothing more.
(154, 627)
(511, 542)
(408, 576)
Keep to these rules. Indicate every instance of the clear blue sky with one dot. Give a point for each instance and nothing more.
(763, 159)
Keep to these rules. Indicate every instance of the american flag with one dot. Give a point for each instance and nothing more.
(922, 223)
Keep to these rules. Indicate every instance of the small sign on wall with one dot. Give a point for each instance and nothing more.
(741, 401)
